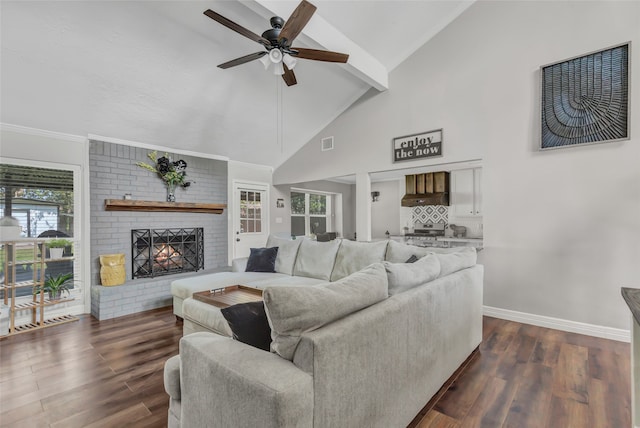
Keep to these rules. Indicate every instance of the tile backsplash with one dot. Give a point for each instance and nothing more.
(430, 214)
(440, 214)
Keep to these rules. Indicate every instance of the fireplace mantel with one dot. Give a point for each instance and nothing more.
(132, 205)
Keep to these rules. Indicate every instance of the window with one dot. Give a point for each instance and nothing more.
(43, 201)
(250, 212)
(310, 213)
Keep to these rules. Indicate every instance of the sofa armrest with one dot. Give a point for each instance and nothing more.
(239, 265)
(172, 377)
(228, 383)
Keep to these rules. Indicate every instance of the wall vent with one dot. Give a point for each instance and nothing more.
(327, 144)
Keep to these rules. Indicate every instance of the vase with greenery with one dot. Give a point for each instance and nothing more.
(57, 246)
(56, 285)
(172, 173)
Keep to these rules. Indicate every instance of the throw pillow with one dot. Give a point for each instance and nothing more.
(464, 258)
(262, 260)
(292, 311)
(249, 324)
(405, 276)
(287, 253)
(412, 259)
(316, 259)
(353, 256)
(398, 253)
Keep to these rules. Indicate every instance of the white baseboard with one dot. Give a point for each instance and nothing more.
(560, 324)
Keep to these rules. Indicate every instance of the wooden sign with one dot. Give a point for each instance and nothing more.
(418, 146)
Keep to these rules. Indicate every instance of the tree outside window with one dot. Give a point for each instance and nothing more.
(310, 213)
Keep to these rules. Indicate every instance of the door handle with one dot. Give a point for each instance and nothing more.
(237, 239)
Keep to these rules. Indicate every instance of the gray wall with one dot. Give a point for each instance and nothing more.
(113, 173)
(385, 213)
(560, 227)
(284, 192)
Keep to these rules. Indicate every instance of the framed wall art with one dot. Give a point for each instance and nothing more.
(585, 100)
(417, 146)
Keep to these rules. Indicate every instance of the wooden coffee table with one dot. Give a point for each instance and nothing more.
(227, 296)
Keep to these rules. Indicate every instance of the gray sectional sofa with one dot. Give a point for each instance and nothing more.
(360, 338)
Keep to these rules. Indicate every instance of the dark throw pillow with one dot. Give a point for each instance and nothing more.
(262, 260)
(412, 259)
(249, 324)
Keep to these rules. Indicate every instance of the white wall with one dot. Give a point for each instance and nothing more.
(42, 146)
(284, 191)
(55, 150)
(562, 227)
(385, 213)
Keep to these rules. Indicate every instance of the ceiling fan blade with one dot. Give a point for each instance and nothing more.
(288, 76)
(236, 27)
(296, 22)
(319, 55)
(242, 60)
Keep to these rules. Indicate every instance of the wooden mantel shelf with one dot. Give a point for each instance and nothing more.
(131, 205)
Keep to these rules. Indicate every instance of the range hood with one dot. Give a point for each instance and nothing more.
(426, 189)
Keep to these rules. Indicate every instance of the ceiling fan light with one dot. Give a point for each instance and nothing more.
(275, 56)
(289, 61)
(278, 68)
(265, 61)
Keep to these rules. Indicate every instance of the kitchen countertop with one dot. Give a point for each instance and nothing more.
(441, 238)
(452, 239)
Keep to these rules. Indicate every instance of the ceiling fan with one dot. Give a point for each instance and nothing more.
(277, 43)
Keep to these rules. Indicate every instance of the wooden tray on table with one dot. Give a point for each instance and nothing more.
(228, 296)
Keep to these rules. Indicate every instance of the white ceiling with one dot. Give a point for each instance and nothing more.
(146, 71)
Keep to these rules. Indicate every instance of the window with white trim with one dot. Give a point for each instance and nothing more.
(250, 211)
(310, 213)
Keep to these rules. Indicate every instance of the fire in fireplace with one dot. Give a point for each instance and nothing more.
(157, 252)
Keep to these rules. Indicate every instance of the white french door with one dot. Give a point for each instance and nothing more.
(251, 220)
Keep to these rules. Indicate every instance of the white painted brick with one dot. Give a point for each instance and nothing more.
(112, 174)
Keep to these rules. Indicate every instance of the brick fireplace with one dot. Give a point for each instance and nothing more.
(113, 174)
(158, 252)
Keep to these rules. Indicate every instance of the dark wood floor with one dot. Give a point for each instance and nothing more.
(109, 374)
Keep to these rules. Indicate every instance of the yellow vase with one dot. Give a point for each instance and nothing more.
(112, 269)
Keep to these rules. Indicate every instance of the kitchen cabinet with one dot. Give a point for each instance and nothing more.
(466, 192)
(431, 182)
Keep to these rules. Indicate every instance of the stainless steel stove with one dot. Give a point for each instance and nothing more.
(425, 234)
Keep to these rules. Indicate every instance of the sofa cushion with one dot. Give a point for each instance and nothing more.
(400, 253)
(316, 259)
(172, 377)
(284, 280)
(287, 253)
(404, 276)
(205, 316)
(464, 258)
(249, 324)
(353, 256)
(294, 310)
(185, 287)
(262, 260)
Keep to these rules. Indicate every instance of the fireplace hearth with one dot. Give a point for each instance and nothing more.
(158, 252)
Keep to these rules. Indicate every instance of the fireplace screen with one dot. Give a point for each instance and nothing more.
(157, 252)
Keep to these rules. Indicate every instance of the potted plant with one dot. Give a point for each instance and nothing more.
(55, 285)
(57, 246)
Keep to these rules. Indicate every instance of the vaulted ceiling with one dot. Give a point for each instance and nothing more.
(146, 71)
